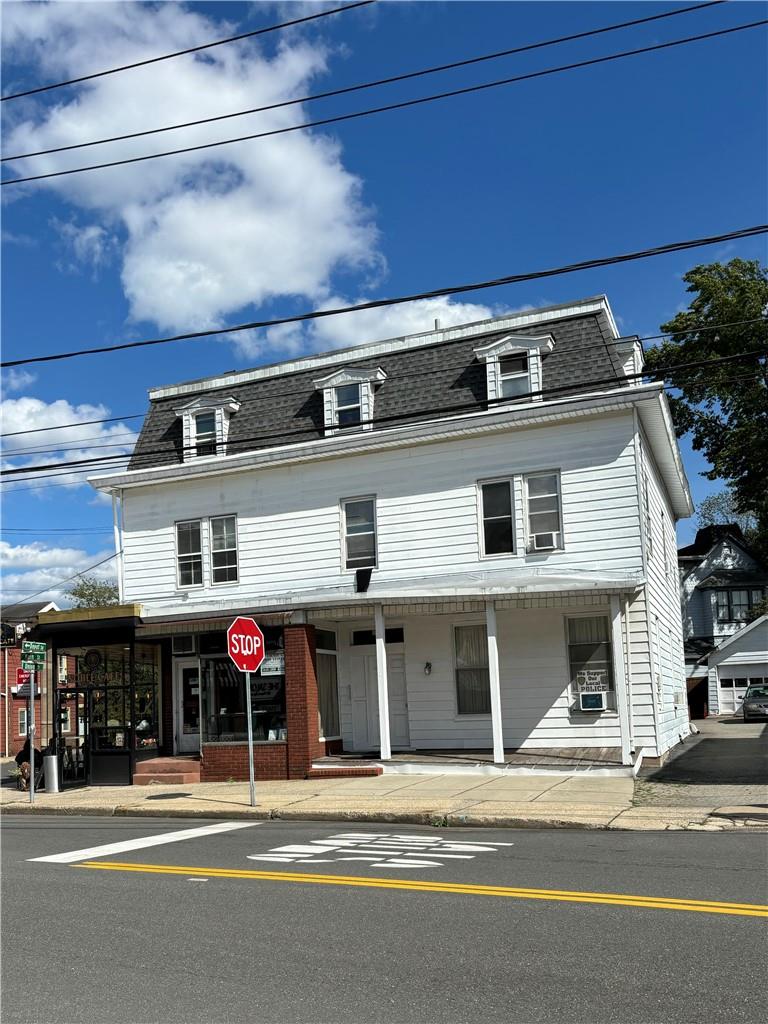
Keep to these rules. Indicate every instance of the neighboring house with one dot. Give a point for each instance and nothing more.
(16, 621)
(721, 581)
(462, 540)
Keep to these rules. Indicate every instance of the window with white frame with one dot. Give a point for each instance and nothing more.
(496, 508)
(514, 379)
(473, 685)
(327, 685)
(589, 653)
(224, 549)
(544, 511)
(22, 721)
(348, 397)
(359, 532)
(349, 405)
(189, 553)
(736, 605)
(205, 433)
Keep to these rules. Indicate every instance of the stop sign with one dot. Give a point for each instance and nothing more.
(245, 644)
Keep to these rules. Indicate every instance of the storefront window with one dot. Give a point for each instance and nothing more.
(223, 704)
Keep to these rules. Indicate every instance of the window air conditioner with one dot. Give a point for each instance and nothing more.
(544, 541)
(593, 701)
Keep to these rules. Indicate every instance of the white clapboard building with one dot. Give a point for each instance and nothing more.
(472, 531)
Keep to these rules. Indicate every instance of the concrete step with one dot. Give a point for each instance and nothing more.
(159, 765)
(166, 778)
(344, 773)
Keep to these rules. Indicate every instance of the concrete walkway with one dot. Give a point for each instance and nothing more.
(518, 802)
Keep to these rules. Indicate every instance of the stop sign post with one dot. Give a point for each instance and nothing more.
(245, 646)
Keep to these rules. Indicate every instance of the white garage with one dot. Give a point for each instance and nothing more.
(738, 661)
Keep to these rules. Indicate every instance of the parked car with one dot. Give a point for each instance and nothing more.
(755, 701)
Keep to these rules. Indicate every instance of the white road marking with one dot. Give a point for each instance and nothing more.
(140, 844)
(391, 850)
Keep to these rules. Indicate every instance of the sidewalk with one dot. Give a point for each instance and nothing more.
(440, 800)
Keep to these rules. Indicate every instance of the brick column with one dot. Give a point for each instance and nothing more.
(301, 700)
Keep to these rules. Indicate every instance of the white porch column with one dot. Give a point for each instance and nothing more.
(620, 681)
(385, 747)
(118, 547)
(494, 682)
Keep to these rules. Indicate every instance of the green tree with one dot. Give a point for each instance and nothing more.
(92, 592)
(724, 406)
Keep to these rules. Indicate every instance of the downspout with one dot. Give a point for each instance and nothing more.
(116, 527)
(630, 702)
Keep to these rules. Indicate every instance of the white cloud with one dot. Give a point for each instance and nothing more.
(91, 245)
(17, 380)
(44, 567)
(55, 444)
(205, 234)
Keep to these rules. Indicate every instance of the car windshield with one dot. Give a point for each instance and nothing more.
(757, 691)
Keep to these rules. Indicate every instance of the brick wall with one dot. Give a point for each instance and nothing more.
(223, 761)
(301, 700)
(15, 740)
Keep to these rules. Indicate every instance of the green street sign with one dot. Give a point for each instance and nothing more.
(34, 656)
(32, 666)
(33, 647)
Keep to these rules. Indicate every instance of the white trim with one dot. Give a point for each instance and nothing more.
(494, 682)
(385, 746)
(190, 586)
(596, 304)
(479, 484)
(619, 679)
(529, 550)
(344, 555)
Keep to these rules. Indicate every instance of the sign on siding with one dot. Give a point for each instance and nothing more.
(592, 680)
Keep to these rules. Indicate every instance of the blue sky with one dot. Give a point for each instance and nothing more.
(598, 161)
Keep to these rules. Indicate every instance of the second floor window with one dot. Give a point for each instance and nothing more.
(498, 530)
(205, 433)
(736, 605)
(544, 525)
(349, 407)
(513, 376)
(189, 553)
(359, 532)
(224, 549)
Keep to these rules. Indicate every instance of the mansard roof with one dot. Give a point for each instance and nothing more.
(419, 378)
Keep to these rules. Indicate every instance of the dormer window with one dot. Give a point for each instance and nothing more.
(348, 398)
(514, 378)
(205, 426)
(514, 367)
(205, 433)
(349, 405)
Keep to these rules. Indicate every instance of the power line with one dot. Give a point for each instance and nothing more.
(398, 418)
(317, 314)
(59, 583)
(141, 415)
(467, 90)
(42, 450)
(302, 391)
(368, 85)
(191, 49)
(79, 423)
(56, 529)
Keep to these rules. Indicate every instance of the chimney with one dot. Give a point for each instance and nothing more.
(437, 325)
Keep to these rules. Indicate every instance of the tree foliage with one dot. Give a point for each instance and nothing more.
(724, 406)
(721, 508)
(92, 592)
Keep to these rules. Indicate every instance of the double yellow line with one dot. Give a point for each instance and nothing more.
(455, 888)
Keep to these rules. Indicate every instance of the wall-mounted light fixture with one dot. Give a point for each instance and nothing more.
(427, 668)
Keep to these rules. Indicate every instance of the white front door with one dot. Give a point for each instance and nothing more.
(186, 705)
(365, 701)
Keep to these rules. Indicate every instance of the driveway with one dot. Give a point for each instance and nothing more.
(726, 763)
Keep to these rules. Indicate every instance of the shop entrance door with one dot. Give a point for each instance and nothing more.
(186, 702)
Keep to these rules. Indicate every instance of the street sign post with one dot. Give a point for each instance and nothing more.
(33, 654)
(245, 645)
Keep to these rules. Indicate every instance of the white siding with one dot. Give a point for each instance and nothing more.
(289, 518)
(664, 622)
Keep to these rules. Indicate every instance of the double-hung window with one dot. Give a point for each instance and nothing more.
(205, 433)
(224, 549)
(514, 380)
(359, 532)
(496, 506)
(189, 553)
(589, 653)
(473, 686)
(22, 721)
(349, 405)
(544, 513)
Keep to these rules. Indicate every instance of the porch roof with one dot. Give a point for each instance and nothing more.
(482, 586)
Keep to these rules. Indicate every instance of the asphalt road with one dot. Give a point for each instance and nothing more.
(209, 929)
